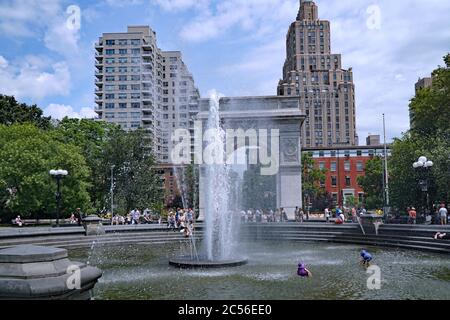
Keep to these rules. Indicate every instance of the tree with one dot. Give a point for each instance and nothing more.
(93, 138)
(192, 173)
(372, 183)
(429, 136)
(258, 191)
(137, 183)
(13, 112)
(311, 178)
(351, 201)
(26, 187)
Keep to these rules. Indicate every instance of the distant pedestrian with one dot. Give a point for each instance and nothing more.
(78, 216)
(412, 215)
(327, 214)
(443, 213)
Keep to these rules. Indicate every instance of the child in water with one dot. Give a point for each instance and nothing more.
(303, 271)
(366, 258)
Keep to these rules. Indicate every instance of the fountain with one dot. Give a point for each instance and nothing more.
(218, 248)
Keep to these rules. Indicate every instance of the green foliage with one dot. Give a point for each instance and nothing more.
(372, 183)
(137, 183)
(26, 156)
(258, 191)
(311, 178)
(93, 138)
(430, 137)
(351, 201)
(431, 106)
(13, 112)
(192, 182)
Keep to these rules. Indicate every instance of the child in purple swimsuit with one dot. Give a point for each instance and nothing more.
(303, 271)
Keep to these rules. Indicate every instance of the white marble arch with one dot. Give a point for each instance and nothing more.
(267, 112)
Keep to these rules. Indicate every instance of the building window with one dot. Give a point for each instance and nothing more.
(333, 181)
(123, 42)
(333, 166)
(109, 106)
(122, 78)
(123, 51)
(321, 153)
(347, 165)
(359, 166)
(321, 165)
(360, 198)
(359, 153)
(135, 105)
(335, 196)
(110, 52)
(347, 181)
(123, 87)
(122, 105)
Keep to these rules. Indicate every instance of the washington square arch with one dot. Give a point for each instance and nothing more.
(263, 184)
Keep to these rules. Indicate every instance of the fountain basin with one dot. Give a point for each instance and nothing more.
(189, 263)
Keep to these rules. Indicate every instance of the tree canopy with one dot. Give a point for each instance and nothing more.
(26, 187)
(429, 136)
(13, 112)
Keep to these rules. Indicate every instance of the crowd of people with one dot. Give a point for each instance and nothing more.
(440, 214)
(136, 217)
(182, 220)
(260, 215)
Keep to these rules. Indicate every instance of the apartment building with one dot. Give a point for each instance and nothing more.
(140, 86)
(313, 73)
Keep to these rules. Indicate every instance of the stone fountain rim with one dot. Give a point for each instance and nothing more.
(188, 263)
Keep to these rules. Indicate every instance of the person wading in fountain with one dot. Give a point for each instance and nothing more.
(366, 258)
(302, 271)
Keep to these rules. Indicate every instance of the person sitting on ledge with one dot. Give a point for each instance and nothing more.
(441, 235)
(18, 221)
(302, 271)
(366, 258)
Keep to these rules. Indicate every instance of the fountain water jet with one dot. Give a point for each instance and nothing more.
(219, 245)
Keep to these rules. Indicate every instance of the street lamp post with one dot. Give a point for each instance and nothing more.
(424, 165)
(112, 190)
(58, 175)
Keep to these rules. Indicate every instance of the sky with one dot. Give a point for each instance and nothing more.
(236, 47)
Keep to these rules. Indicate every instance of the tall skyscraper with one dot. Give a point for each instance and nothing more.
(140, 86)
(326, 91)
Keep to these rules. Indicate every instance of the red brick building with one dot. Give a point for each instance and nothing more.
(343, 167)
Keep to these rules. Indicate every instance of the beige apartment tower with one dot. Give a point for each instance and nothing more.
(140, 86)
(326, 91)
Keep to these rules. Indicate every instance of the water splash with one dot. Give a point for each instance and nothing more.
(219, 240)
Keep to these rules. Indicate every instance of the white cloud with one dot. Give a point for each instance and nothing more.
(251, 16)
(3, 62)
(408, 42)
(31, 78)
(178, 5)
(59, 111)
(35, 18)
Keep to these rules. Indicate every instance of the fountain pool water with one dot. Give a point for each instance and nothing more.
(141, 272)
(219, 245)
